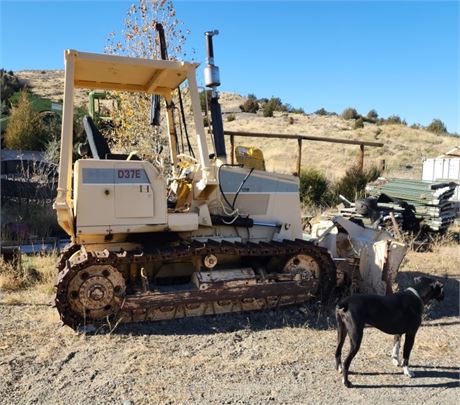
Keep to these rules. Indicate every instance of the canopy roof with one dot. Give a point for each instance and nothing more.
(110, 72)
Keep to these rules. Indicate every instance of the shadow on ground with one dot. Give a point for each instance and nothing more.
(450, 384)
(438, 372)
(310, 315)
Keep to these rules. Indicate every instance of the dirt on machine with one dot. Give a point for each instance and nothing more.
(207, 238)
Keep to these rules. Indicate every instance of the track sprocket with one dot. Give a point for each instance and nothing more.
(89, 292)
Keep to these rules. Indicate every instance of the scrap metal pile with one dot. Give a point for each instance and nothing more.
(429, 201)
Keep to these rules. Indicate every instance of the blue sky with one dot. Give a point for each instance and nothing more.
(396, 57)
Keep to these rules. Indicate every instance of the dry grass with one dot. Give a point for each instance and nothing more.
(50, 84)
(46, 267)
(35, 272)
(443, 260)
(11, 277)
(431, 341)
(403, 146)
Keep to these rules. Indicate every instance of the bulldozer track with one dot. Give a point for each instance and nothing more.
(269, 291)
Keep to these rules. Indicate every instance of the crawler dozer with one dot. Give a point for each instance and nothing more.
(209, 239)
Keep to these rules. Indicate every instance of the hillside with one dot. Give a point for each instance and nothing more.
(404, 147)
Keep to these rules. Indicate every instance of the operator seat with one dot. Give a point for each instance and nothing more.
(98, 144)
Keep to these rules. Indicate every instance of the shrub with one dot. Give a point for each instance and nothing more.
(359, 123)
(9, 84)
(250, 106)
(394, 120)
(275, 104)
(353, 183)
(278, 105)
(372, 115)
(313, 187)
(291, 120)
(231, 117)
(297, 110)
(205, 122)
(321, 111)
(268, 109)
(25, 129)
(52, 151)
(437, 127)
(39, 103)
(350, 114)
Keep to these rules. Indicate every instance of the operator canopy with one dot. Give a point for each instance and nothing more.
(111, 72)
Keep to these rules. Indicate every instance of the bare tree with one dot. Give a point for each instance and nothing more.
(131, 129)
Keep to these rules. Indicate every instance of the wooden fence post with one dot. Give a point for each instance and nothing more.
(232, 149)
(361, 158)
(299, 155)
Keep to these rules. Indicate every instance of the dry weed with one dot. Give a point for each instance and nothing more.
(438, 243)
(444, 261)
(35, 272)
(12, 299)
(11, 276)
(45, 266)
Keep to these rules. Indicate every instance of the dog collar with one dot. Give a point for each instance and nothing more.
(412, 290)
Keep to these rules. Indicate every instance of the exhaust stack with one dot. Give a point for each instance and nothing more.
(212, 80)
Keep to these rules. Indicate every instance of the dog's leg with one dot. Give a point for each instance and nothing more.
(356, 336)
(396, 347)
(408, 344)
(341, 335)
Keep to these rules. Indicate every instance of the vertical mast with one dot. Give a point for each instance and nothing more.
(212, 80)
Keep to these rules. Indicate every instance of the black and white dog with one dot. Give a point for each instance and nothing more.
(395, 314)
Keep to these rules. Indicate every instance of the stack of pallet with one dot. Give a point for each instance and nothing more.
(431, 199)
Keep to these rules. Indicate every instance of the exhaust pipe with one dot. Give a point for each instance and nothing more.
(155, 99)
(212, 80)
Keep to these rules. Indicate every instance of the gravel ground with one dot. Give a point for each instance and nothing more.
(284, 356)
